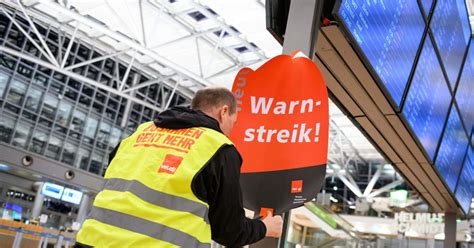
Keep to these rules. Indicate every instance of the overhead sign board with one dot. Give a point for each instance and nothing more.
(52, 190)
(71, 196)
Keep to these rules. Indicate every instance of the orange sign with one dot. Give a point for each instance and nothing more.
(281, 133)
(282, 115)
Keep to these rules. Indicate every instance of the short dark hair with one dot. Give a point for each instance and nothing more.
(211, 97)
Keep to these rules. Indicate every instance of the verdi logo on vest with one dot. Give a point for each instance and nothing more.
(282, 132)
(170, 164)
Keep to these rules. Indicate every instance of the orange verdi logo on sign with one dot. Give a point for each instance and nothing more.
(296, 186)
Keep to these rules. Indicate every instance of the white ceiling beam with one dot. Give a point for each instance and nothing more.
(69, 46)
(180, 20)
(192, 35)
(40, 37)
(227, 28)
(28, 36)
(124, 40)
(142, 21)
(147, 83)
(78, 77)
(127, 72)
(96, 59)
(353, 187)
(385, 188)
(170, 97)
(372, 181)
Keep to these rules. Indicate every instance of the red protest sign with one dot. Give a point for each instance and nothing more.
(281, 132)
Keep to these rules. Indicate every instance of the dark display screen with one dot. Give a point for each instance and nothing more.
(465, 189)
(451, 30)
(465, 91)
(428, 99)
(389, 33)
(452, 150)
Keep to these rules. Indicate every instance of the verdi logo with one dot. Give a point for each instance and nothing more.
(296, 186)
(170, 164)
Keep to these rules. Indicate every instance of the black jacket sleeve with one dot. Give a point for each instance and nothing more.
(218, 185)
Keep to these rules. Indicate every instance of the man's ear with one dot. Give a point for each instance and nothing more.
(224, 110)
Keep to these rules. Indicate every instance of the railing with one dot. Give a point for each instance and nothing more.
(17, 237)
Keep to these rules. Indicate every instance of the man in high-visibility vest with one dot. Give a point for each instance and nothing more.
(175, 183)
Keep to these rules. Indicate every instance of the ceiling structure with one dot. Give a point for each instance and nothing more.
(185, 45)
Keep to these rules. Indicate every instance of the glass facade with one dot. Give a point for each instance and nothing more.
(53, 115)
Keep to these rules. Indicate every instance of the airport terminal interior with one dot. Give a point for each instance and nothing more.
(78, 76)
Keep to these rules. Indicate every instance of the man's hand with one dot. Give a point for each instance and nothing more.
(274, 224)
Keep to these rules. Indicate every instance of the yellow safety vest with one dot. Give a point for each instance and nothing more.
(147, 200)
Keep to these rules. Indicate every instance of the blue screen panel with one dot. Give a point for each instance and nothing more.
(389, 33)
(452, 150)
(52, 190)
(72, 196)
(465, 189)
(465, 91)
(451, 30)
(426, 4)
(428, 99)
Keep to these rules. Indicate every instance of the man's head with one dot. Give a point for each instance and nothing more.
(218, 103)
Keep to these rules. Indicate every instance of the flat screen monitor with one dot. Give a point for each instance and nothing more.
(388, 34)
(12, 211)
(452, 32)
(17, 212)
(52, 190)
(428, 99)
(452, 150)
(465, 91)
(277, 17)
(71, 196)
(465, 188)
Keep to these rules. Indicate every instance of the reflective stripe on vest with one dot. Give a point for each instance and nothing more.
(147, 198)
(158, 198)
(146, 227)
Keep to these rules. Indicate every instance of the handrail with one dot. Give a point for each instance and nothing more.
(19, 232)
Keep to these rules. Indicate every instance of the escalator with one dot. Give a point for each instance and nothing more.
(315, 226)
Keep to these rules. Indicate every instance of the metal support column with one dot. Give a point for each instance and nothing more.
(449, 230)
(286, 220)
(38, 204)
(301, 34)
(83, 208)
(303, 26)
(17, 240)
(3, 193)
